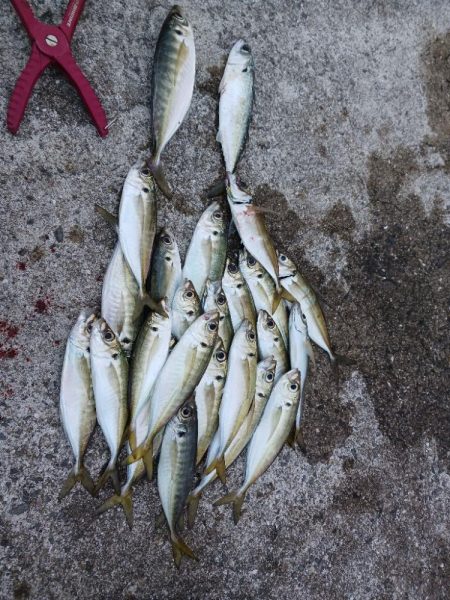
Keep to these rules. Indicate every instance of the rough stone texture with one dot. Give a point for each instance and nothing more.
(349, 145)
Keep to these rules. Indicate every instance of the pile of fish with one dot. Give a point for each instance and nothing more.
(190, 363)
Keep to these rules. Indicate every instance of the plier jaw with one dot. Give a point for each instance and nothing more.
(51, 44)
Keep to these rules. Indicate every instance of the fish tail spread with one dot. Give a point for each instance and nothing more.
(219, 465)
(110, 472)
(125, 501)
(277, 298)
(138, 452)
(180, 549)
(160, 178)
(157, 307)
(192, 507)
(236, 499)
(76, 475)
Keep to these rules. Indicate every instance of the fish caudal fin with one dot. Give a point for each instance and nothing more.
(124, 501)
(219, 465)
(161, 181)
(157, 307)
(180, 549)
(192, 508)
(148, 462)
(81, 475)
(276, 300)
(237, 500)
(110, 472)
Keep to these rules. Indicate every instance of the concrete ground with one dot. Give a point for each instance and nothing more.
(349, 146)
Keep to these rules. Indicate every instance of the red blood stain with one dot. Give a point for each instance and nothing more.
(56, 342)
(53, 248)
(9, 353)
(41, 306)
(99, 277)
(21, 266)
(8, 392)
(9, 331)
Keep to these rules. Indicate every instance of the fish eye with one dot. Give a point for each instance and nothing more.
(203, 345)
(178, 32)
(282, 257)
(245, 48)
(190, 313)
(251, 335)
(293, 387)
(288, 403)
(217, 214)
(221, 299)
(145, 190)
(215, 232)
(167, 259)
(259, 276)
(154, 328)
(220, 356)
(232, 268)
(166, 239)
(269, 377)
(89, 327)
(108, 336)
(186, 412)
(189, 294)
(212, 326)
(126, 340)
(145, 171)
(219, 378)
(260, 395)
(251, 261)
(270, 323)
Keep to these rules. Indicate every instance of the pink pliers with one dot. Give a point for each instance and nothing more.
(51, 44)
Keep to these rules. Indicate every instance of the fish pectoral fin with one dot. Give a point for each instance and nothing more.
(180, 549)
(74, 477)
(107, 216)
(236, 499)
(125, 501)
(160, 178)
(192, 508)
(110, 472)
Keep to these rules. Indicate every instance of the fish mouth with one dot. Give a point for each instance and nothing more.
(281, 277)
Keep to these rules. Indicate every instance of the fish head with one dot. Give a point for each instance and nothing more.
(157, 322)
(103, 340)
(219, 360)
(265, 378)
(178, 22)
(141, 177)
(214, 298)
(298, 320)
(246, 335)
(235, 194)
(232, 277)
(168, 244)
(290, 384)
(267, 327)
(214, 219)
(186, 299)
(286, 266)
(185, 419)
(81, 331)
(240, 58)
(249, 266)
(205, 328)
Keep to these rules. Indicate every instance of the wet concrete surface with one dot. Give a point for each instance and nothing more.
(349, 146)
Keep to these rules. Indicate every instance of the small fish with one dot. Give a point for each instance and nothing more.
(208, 395)
(166, 275)
(239, 298)
(235, 105)
(249, 221)
(265, 378)
(172, 86)
(77, 406)
(299, 288)
(176, 470)
(301, 352)
(215, 299)
(238, 392)
(269, 436)
(185, 308)
(177, 380)
(121, 303)
(206, 255)
(110, 380)
(137, 222)
(270, 343)
(264, 292)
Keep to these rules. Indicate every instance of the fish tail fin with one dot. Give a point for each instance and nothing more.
(110, 472)
(192, 508)
(180, 549)
(77, 475)
(216, 189)
(157, 307)
(277, 299)
(160, 178)
(125, 501)
(219, 465)
(148, 462)
(236, 499)
(139, 452)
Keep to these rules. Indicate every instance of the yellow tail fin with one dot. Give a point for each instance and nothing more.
(74, 477)
(125, 502)
(219, 465)
(180, 548)
(237, 500)
(112, 473)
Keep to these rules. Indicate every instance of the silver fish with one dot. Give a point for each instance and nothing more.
(269, 436)
(172, 86)
(235, 106)
(176, 472)
(137, 222)
(77, 406)
(177, 380)
(166, 275)
(206, 255)
(299, 288)
(264, 292)
(239, 298)
(208, 395)
(110, 380)
(185, 308)
(270, 343)
(121, 303)
(301, 353)
(238, 392)
(265, 378)
(214, 298)
(249, 221)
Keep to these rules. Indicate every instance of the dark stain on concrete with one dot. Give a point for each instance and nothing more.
(76, 234)
(339, 221)
(42, 306)
(211, 85)
(358, 494)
